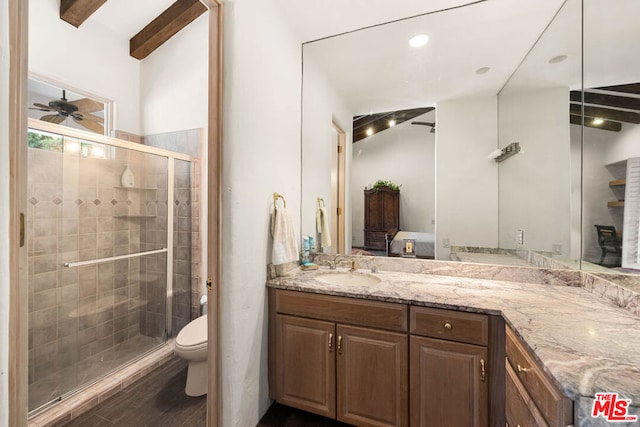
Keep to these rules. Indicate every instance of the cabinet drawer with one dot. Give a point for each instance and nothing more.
(519, 409)
(373, 314)
(375, 239)
(556, 409)
(471, 328)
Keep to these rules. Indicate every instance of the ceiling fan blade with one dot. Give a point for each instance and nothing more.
(53, 118)
(91, 125)
(42, 106)
(87, 105)
(40, 109)
(92, 117)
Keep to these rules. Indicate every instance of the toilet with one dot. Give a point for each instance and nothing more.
(191, 345)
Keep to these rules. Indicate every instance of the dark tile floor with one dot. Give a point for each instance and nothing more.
(156, 400)
(283, 416)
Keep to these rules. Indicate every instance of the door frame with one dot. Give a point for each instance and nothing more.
(17, 133)
(339, 210)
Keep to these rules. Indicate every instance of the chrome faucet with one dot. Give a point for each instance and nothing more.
(354, 265)
(332, 265)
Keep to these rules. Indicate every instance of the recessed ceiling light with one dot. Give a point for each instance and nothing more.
(369, 131)
(483, 70)
(597, 121)
(557, 59)
(419, 40)
(392, 123)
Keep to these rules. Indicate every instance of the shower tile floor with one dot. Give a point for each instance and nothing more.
(50, 388)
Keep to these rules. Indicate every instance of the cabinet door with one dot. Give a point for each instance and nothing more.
(390, 210)
(372, 377)
(519, 409)
(449, 383)
(306, 364)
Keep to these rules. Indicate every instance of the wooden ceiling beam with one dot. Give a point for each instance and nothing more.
(166, 25)
(75, 12)
(380, 121)
(628, 88)
(606, 113)
(607, 100)
(606, 125)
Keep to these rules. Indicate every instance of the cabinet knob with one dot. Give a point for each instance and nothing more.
(483, 372)
(448, 326)
(339, 344)
(522, 369)
(330, 341)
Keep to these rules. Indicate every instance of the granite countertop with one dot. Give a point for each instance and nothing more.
(583, 341)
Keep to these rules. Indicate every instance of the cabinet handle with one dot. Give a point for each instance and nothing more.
(448, 326)
(522, 369)
(483, 373)
(339, 344)
(330, 341)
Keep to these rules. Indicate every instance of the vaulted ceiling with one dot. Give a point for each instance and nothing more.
(155, 32)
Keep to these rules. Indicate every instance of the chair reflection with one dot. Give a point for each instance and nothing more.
(609, 244)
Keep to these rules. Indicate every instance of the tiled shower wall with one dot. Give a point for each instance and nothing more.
(78, 211)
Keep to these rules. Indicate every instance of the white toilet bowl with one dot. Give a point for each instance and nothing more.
(191, 345)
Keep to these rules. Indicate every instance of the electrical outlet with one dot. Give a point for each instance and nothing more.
(446, 243)
(557, 249)
(520, 237)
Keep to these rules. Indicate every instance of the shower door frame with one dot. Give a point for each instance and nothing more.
(16, 80)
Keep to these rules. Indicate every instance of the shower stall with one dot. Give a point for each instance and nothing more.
(112, 263)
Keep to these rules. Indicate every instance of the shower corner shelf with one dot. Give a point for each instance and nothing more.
(135, 188)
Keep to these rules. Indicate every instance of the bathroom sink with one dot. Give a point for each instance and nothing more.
(357, 279)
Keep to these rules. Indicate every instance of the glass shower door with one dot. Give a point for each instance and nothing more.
(98, 263)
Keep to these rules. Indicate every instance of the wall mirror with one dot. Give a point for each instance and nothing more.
(611, 135)
(475, 208)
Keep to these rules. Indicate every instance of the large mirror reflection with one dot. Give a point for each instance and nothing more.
(423, 117)
(479, 131)
(611, 148)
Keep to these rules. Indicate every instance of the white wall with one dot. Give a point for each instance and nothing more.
(174, 82)
(262, 84)
(535, 185)
(466, 181)
(4, 212)
(403, 154)
(91, 58)
(321, 106)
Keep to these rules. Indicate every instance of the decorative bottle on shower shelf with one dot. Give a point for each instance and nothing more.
(127, 178)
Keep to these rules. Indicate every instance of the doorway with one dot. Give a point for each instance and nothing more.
(338, 138)
(16, 133)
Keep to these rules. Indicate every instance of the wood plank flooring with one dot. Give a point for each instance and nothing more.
(283, 416)
(156, 400)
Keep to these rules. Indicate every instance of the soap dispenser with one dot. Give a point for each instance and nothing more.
(127, 179)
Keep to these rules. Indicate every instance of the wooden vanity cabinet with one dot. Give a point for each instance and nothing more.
(326, 362)
(371, 363)
(532, 399)
(456, 376)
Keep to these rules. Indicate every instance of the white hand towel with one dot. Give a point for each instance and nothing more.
(322, 226)
(285, 245)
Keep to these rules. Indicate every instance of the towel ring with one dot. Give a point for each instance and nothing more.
(277, 196)
(320, 199)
